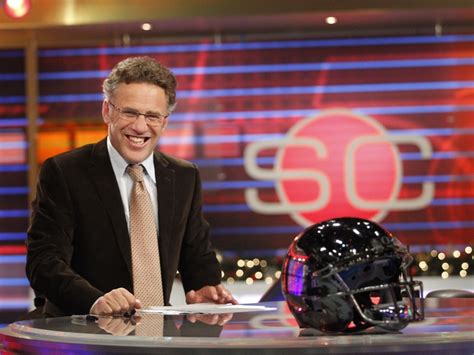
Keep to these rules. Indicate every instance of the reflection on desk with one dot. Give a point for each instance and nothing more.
(447, 329)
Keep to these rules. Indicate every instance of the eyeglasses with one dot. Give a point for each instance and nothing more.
(129, 114)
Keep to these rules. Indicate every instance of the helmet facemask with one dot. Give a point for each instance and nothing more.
(378, 291)
(384, 296)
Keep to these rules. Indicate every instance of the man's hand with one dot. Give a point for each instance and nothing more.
(117, 301)
(211, 294)
(210, 319)
(116, 326)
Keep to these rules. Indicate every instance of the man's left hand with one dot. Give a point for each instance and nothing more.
(210, 294)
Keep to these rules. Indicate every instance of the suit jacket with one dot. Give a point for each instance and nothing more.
(78, 242)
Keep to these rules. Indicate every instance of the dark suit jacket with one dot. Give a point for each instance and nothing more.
(78, 243)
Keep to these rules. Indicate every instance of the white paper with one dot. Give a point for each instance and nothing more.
(205, 308)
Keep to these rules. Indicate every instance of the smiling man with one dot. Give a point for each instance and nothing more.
(114, 221)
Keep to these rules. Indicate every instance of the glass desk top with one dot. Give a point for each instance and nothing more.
(448, 328)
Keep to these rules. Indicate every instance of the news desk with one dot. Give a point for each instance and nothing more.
(448, 328)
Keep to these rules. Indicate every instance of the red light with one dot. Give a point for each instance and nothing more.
(12, 249)
(17, 8)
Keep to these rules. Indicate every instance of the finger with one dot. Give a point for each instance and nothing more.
(224, 318)
(102, 307)
(228, 297)
(191, 318)
(118, 301)
(112, 303)
(131, 299)
(224, 295)
(117, 326)
(191, 297)
(214, 319)
(137, 304)
(103, 323)
(210, 319)
(210, 293)
(231, 299)
(124, 298)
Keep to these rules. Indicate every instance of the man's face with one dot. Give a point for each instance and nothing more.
(135, 139)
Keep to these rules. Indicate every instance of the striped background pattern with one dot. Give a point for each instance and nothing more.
(233, 94)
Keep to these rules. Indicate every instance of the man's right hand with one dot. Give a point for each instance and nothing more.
(117, 301)
(116, 326)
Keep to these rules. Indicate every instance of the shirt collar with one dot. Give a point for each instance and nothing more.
(120, 165)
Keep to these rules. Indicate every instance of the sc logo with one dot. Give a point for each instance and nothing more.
(337, 163)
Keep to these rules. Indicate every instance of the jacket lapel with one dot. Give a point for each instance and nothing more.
(108, 191)
(166, 190)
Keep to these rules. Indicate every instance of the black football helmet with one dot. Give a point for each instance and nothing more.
(349, 274)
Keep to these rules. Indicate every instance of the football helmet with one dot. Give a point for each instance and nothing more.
(349, 274)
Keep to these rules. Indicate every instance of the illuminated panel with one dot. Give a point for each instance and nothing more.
(83, 136)
(221, 140)
(50, 143)
(179, 140)
(12, 147)
(14, 290)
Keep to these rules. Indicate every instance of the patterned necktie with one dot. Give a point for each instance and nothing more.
(147, 283)
(150, 325)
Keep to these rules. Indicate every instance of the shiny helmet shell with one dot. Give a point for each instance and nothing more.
(349, 274)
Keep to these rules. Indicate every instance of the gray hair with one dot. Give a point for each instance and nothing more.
(142, 70)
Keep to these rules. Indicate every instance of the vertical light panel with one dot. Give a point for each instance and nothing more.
(14, 190)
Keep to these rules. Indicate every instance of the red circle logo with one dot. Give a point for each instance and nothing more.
(374, 172)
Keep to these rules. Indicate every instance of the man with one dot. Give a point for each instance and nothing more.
(79, 246)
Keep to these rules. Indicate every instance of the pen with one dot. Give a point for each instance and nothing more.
(85, 317)
(95, 317)
(129, 314)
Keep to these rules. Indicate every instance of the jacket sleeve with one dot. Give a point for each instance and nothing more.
(50, 245)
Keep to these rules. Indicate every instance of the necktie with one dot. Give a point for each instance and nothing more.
(150, 325)
(147, 283)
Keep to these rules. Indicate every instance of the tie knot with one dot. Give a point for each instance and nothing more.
(136, 172)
